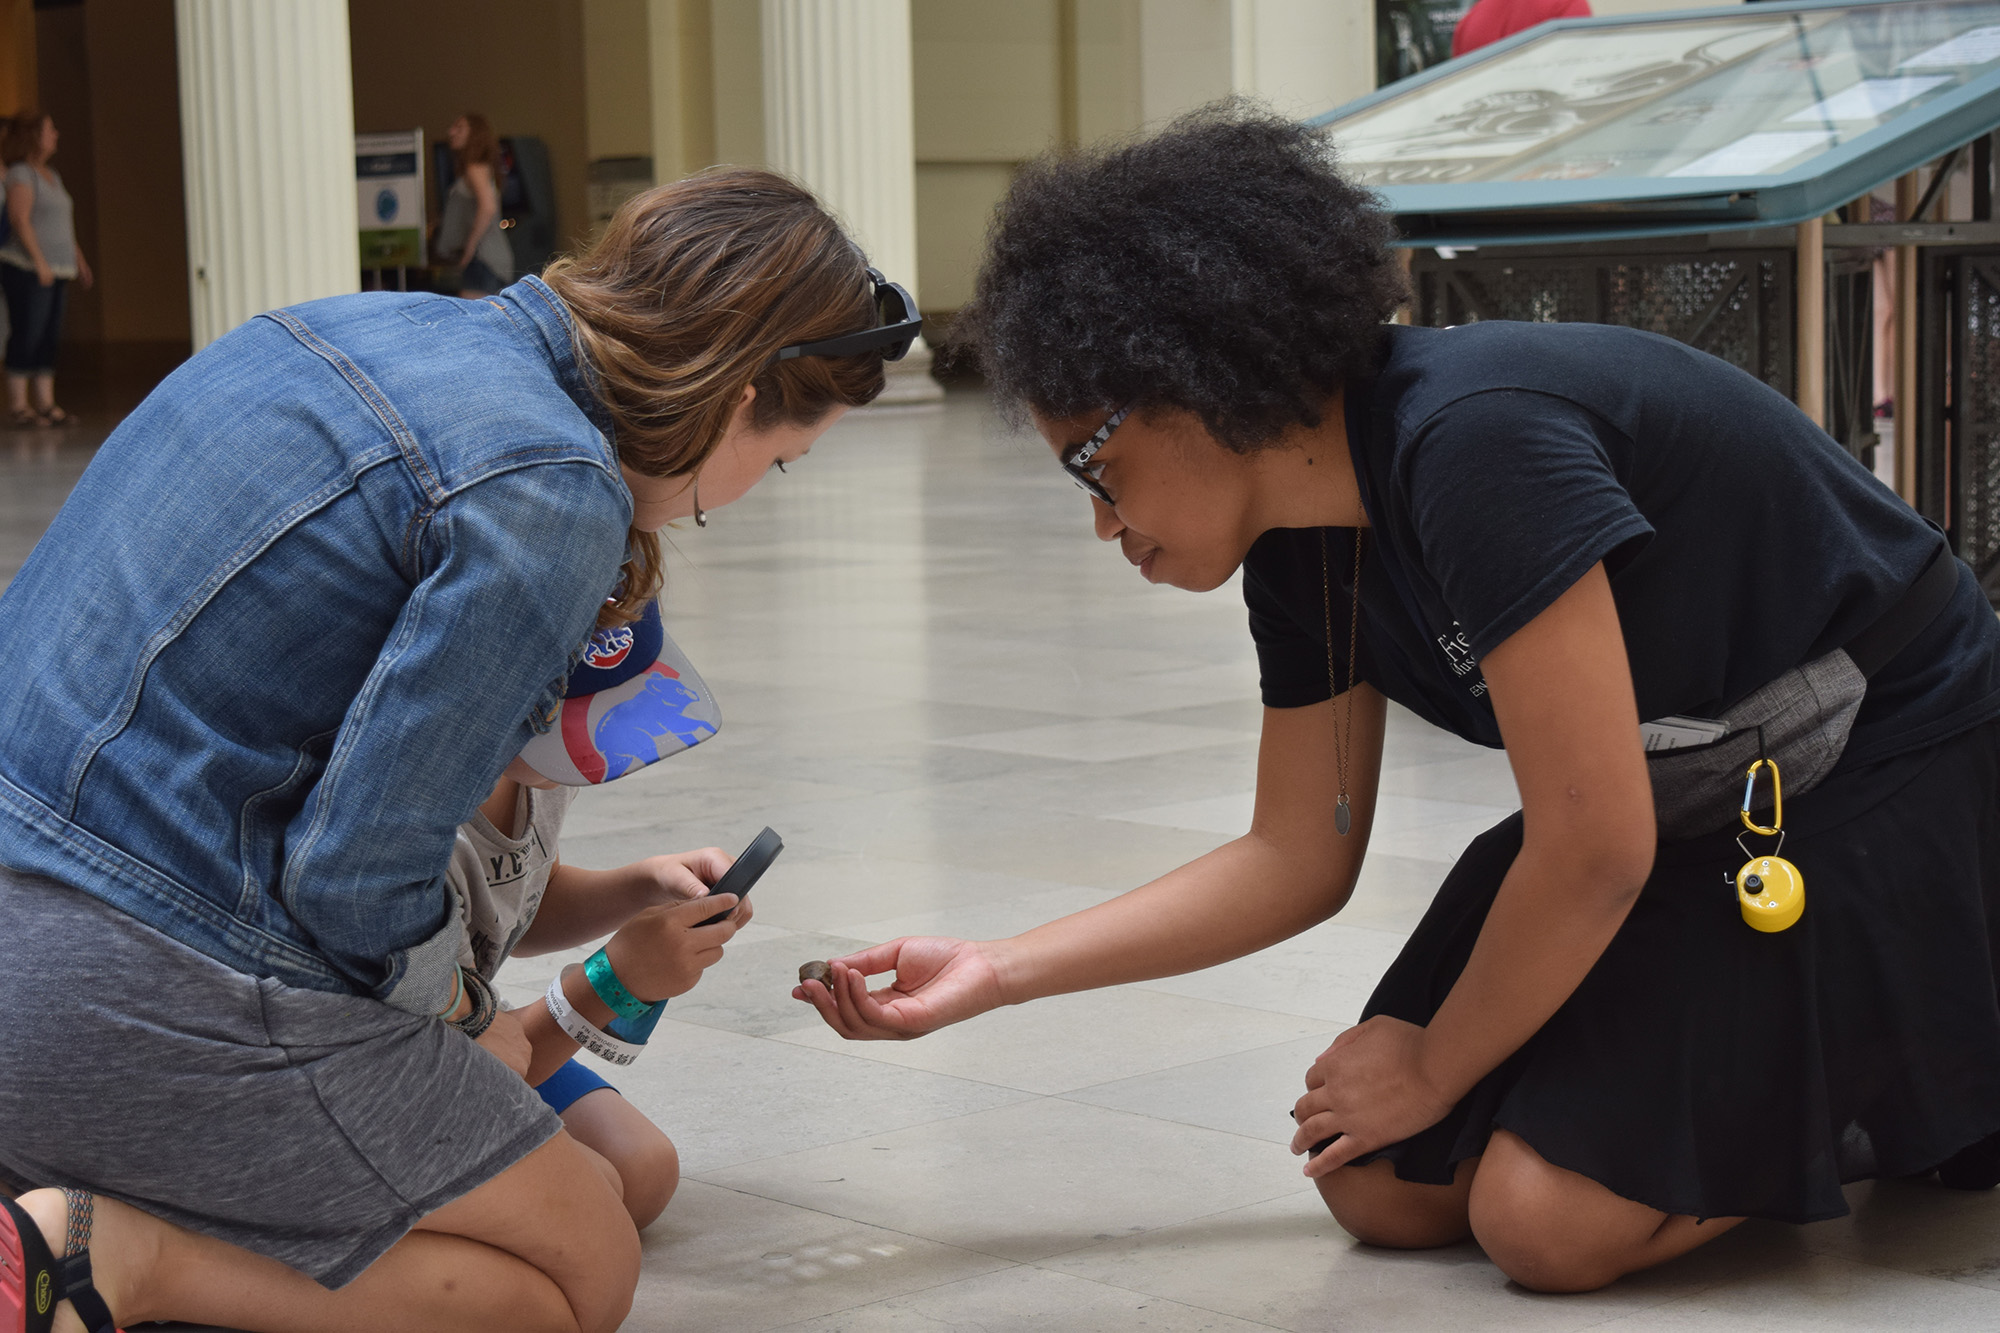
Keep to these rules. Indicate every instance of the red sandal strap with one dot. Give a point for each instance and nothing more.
(28, 1280)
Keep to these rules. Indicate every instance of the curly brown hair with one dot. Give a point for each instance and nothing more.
(1223, 267)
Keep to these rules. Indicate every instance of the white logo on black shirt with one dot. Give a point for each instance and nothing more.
(1458, 655)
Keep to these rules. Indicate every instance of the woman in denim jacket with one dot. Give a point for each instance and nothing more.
(305, 605)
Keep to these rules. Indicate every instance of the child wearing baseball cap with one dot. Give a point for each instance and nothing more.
(631, 701)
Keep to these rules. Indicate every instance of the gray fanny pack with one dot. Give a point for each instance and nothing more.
(1801, 719)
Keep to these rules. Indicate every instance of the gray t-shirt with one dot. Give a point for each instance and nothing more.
(461, 207)
(53, 218)
(499, 881)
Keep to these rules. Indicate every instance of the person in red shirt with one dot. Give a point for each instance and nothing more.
(1490, 20)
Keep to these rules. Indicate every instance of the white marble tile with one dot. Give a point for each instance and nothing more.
(1246, 1092)
(1100, 853)
(1483, 777)
(1285, 1262)
(1025, 1299)
(1075, 1041)
(1099, 740)
(1443, 841)
(1026, 1181)
(725, 1099)
(1822, 1294)
(989, 919)
(1228, 816)
(855, 893)
(1393, 892)
(1919, 1227)
(725, 1260)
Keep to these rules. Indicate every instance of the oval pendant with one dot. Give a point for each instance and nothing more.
(1342, 819)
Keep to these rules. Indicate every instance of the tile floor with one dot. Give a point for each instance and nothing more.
(967, 717)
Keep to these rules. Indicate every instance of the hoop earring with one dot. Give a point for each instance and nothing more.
(700, 519)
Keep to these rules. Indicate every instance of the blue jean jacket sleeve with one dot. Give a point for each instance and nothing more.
(515, 569)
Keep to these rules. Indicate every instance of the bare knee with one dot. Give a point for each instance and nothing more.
(1376, 1208)
(557, 1213)
(647, 1168)
(651, 1176)
(601, 1304)
(1547, 1228)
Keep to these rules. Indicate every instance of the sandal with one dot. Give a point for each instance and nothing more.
(33, 1281)
(24, 419)
(55, 416)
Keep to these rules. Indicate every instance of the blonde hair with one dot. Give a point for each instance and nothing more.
(683, 303)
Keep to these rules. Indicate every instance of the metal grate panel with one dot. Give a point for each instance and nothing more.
(1736, 305)
(1975, 433)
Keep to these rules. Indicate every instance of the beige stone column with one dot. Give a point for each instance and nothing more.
(838, 116)
(267, 143)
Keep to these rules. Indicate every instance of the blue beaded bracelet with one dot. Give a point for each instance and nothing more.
(597, 971)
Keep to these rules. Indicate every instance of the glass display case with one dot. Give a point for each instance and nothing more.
(1681, 173)
(1661, 124)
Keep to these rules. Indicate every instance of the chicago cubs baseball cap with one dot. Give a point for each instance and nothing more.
(632, 700)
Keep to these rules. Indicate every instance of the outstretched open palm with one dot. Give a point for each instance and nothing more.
(938, 982)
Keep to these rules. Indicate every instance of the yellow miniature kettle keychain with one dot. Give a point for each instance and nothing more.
(1769, 889)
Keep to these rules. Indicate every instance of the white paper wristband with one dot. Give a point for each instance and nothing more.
(585, 1033)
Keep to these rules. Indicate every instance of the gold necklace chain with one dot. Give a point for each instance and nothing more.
(1343, 725)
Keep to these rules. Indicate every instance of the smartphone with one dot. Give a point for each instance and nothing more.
(749, 868)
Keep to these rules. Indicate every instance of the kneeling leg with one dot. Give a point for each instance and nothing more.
(648, 1167)
(1376, 1208)
(1553, 1230)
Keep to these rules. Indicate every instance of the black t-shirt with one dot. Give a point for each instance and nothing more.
(1499, 461)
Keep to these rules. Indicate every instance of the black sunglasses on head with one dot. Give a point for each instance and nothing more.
(900, 324)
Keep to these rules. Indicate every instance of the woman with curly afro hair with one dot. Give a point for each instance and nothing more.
(1611, 1037)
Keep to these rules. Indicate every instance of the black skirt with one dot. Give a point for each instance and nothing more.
(1705, 1068)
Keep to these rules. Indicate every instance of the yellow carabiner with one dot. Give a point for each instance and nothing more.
(1777, 798)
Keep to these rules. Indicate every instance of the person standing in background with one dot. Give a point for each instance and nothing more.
(469, 234)
(1490, 20)
(37, 263)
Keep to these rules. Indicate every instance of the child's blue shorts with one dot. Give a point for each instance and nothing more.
(562, 1088)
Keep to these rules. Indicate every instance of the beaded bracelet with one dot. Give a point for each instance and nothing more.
(485, 1005)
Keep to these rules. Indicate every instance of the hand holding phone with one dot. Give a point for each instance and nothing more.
(749, 868)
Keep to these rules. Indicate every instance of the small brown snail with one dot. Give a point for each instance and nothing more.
(816, 971)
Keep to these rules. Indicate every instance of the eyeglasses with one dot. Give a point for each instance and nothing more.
(899, 327)
(1076, 459)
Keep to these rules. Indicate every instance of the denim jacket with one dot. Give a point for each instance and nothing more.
(302, 608)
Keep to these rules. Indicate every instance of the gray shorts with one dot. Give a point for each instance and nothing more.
(310, 1127)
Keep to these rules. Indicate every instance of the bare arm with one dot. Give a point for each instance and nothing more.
(1289, 872)
(582, 905)
(20, 211)
(1562, 692)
